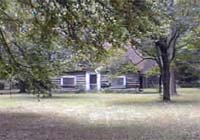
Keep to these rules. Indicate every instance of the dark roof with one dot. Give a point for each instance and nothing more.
(75, 72)
(144, 65)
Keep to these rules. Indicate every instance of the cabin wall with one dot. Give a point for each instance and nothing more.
(118, 82)
(81, 81)
(132, 81)
(56, 81)
(105, 82)
(151, 81)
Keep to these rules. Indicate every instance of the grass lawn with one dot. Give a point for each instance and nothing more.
(101, 117)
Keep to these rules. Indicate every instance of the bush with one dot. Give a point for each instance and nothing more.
(193, 84)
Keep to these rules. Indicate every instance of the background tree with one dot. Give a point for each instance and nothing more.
(166, 22)
(187, 62)
(184, 17)
(32, 31)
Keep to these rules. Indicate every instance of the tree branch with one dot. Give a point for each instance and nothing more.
(134, 49)
(143, 58)
(8, 50)
(7, 47)
(173, 38)
(158, 59)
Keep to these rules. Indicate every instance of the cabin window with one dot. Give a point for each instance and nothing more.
(68, 81)
(119, 81)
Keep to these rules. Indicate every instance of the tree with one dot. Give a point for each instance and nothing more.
(184, 19)
(188, 62)
(31, 32)
(164, 22)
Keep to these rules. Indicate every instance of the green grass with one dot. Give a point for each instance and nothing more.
(189, 90)
(98, 99)
(102, 116)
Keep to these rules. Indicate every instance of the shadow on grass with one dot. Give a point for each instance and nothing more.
(47, 127)
(30, 126)
(185, 102)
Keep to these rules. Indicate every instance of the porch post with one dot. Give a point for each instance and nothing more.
(87, 81)
(98, 81)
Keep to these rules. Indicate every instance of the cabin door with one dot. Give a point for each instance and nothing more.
(93, 81)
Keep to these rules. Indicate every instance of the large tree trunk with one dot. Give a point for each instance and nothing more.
(160, 84)
(166, 82)
(163, 47)
(172, 82)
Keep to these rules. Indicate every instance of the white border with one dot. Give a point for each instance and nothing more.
(67, 76)
(124, 79)
(98, 81)
(87, 79)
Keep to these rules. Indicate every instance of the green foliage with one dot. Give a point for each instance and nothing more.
(127, 68)
(31, 31)
(188, 62)
(118, 64)
(154, 71)
(35, 33)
